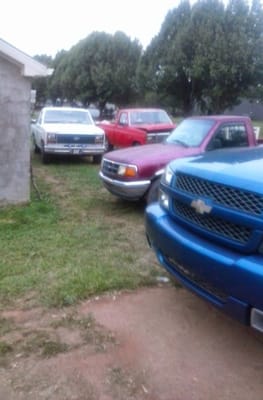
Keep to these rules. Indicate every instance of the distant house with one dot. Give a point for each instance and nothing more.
(16, 71)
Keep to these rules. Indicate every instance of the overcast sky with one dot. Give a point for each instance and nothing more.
(46, 27)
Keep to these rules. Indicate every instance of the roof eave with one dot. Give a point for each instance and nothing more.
(28, 66)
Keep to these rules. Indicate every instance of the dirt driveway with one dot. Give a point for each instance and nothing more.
(160, 343)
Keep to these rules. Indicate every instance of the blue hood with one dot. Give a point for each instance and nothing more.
(241, 168)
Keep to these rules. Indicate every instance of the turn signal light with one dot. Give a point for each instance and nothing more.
(127, 170)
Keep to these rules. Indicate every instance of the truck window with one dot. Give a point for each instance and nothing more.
(229, 135)
(191, 132)
(124, 119)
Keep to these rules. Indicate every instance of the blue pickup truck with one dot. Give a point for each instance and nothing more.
(207, 229)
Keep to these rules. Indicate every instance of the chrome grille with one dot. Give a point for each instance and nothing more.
(157, 137)
(229, 230)
(223, 195)
(76, 139)
(109, 167)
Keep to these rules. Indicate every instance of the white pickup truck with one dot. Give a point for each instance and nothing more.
(67, 131)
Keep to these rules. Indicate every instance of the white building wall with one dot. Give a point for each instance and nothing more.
(14, 134)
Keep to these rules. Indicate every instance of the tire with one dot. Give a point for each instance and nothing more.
(35, 146)
(136, 144)
(152, 194)
(36, 149)
(108, 145)
(45, 158)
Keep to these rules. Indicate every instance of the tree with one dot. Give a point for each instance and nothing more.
(54, 88)
(231, 68)
(164, 67)
(206, 56)
(256, 23)
(41, 84)
(100, 68)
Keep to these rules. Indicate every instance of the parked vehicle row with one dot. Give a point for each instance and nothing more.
(134, 173)
(204, 189)
(207, 226)
(72, 131)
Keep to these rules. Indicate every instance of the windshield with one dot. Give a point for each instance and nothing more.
(190, 132)
(149, 117)
(67, 117)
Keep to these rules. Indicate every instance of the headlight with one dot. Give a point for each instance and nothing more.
(167, 175)
(127, 170)
(150, 139)
(99, 139)
(51, 138)
(163, 199)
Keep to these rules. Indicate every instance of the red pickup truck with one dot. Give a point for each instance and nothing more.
(136, 126)
(134, 173)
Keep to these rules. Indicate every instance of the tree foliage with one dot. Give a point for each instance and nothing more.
(100, 68)
(163, 67)
(40, 84)
(207, 55)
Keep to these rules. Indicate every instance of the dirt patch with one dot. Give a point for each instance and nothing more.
(160, 343)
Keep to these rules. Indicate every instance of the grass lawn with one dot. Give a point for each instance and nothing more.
(75, 241)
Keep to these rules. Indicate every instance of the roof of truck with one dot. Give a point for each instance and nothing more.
(221, 117)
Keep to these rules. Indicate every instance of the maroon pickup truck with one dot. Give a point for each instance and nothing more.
(134, 173)
(136, 126)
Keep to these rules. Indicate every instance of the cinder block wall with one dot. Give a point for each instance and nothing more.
(14, 135)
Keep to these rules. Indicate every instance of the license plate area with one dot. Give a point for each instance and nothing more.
(197, 280)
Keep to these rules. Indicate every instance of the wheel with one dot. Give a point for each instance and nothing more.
(108, 145)
(152, 194)
(35, 146)
(45, 158)
(36, 149)
(97, 159)
(136, 144)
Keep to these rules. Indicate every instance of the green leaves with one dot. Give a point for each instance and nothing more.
(208, 54)
(100, 68)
